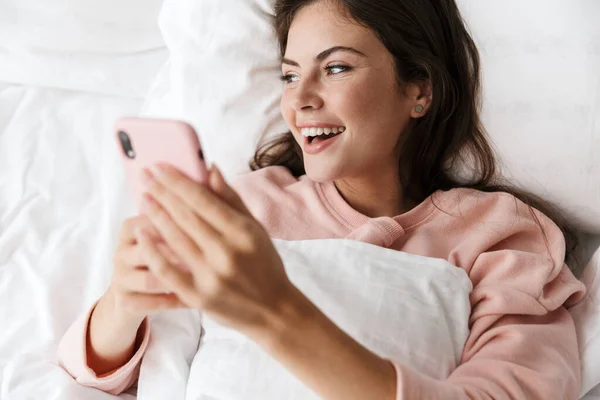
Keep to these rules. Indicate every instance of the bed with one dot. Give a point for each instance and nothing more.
(67, 71)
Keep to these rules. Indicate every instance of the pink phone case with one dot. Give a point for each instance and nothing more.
(155, 141)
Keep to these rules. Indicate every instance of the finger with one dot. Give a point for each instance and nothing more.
(130, 257)
(174, 279)
(202, 234)
(176, 234)
(133, 278)
(140, 281)
(143, 301)
(127, 257)
(218, 185)
(127, 233)
(168, 254)
(200, 198)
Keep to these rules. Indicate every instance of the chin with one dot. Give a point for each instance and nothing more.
(321, 172)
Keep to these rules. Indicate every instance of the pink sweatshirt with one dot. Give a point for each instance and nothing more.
(522, 343)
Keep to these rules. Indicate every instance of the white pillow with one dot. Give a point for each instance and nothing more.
(108, 26)
(540, 63)
(111, 47)
(222, 76)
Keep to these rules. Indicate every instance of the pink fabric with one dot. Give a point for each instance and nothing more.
(72, 353)
(522, 342)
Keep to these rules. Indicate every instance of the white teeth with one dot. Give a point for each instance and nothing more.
(320, 131)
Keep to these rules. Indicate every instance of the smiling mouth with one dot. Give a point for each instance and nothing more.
(318, 135)
(322, 138)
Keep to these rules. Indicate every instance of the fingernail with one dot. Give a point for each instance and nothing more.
(147, 201)
(158, 171)
(213, 177)
(147, 177)
(215, 170)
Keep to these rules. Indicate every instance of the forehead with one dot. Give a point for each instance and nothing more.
(325, 24)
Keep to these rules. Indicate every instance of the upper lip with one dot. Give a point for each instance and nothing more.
(317, 124)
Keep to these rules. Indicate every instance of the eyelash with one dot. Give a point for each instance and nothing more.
(288, 77)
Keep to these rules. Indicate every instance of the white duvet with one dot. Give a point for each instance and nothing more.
(408, 308)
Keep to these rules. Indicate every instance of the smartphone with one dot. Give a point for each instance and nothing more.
(144, 142)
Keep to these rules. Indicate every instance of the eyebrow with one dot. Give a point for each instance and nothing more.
(324, 54)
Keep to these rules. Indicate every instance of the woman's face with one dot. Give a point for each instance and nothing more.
(339, 77)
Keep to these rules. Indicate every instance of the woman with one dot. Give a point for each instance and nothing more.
(380, 98)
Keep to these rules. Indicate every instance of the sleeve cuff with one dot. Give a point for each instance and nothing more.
(72, 356)
(414, 385)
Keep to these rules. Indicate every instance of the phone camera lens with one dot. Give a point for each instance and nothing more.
(126, 145)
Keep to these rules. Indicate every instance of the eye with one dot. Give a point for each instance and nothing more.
(289, 78)
(337, 69)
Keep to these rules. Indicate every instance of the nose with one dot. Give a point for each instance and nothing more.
(307, 97)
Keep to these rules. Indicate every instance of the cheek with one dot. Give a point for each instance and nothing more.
(287, 111)
(289, 116)
(348, 102)
(373, 107)
(361, 102)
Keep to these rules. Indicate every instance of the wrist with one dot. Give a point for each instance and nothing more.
(290, 318)
(120, 317)
(312, 347)
(111, 336)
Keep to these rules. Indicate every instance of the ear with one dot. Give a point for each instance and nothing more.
(420, 97)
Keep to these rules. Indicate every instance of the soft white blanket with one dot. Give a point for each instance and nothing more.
(408, 308)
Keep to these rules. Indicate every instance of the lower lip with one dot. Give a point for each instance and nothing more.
(314, 148)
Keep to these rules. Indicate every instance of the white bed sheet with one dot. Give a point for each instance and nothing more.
(594, 394)
(62, 197)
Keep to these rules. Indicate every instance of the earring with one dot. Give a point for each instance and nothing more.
(419, 108)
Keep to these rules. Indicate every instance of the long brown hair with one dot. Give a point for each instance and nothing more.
(429, 42)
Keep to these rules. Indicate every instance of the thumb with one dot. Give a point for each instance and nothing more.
(216, 182)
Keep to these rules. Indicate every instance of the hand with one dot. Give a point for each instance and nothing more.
(133, 294)
(134, 290)
(233, 272)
